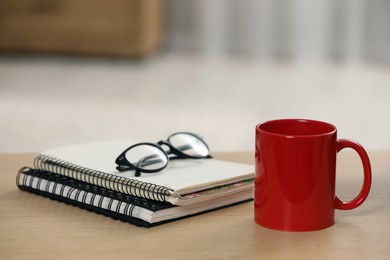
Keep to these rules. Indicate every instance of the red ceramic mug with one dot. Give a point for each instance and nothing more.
(295, 174)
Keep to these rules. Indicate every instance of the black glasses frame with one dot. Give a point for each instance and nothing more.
(124, 165)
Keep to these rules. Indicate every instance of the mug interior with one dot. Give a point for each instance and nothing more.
(297, 127)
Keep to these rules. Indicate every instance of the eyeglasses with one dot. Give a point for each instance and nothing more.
(151, 157)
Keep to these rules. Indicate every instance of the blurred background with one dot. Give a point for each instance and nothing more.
(76, 71)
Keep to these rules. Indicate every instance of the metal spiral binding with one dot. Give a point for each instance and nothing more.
(115, 202)
(101, 179)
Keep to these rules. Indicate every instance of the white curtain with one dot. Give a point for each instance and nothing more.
(280, 29)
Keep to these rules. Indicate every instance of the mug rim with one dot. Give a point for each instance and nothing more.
(260, 127)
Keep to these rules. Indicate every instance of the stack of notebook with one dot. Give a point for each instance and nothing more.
(85, 175)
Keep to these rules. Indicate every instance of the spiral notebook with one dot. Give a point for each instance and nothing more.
(182, 182)
(134, 210)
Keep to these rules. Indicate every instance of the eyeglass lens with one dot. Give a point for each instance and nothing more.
(189, 144)
(147, 157)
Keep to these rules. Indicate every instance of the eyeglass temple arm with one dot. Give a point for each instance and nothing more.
(121, 161)
(174, 150)
(181, 149)
(145, 161)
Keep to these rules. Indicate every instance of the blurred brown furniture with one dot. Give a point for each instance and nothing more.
(115, 28)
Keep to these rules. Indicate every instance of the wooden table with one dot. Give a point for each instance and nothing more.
(33, 227)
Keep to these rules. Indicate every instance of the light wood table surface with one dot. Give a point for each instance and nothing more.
(34, 227)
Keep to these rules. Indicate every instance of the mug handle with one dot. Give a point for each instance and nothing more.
(361, 197)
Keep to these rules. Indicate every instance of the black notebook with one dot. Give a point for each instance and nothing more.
(120, 206)
(182, 182)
